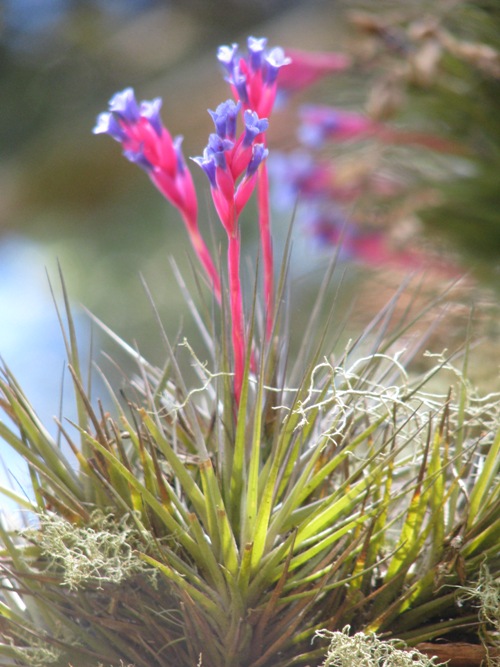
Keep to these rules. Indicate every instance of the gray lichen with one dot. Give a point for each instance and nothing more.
(366, 650)
(94, 554)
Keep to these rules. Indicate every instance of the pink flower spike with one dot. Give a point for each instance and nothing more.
(232, 168)
(254, 82)
(307, 67)
(147, 143)
(253, 78)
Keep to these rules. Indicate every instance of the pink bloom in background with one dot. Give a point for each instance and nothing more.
(147, 143)
(307, 67)
(372, 247)
(323, 123)
(319, 182)
(299, 176)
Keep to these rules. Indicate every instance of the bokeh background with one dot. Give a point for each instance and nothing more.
(68, 197)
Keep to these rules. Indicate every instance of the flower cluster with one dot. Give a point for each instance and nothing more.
(234, 164)
(231, 164)
(147, 143)
(254, 78)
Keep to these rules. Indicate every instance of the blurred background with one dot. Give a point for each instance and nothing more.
(424, 187)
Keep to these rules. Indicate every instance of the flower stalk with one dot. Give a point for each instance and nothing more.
(236, 305)
(232, 166)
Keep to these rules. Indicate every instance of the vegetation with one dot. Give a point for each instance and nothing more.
(335, 493)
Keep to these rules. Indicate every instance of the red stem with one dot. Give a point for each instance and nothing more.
(266, 244)
(204, 256)
(236, 304)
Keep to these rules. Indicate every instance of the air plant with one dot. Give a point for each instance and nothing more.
(226, 522)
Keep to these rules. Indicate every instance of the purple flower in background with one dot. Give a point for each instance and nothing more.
(321, 123)
(324, 123)
(328, 228)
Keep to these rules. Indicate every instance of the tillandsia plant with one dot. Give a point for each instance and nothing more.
(225, 523)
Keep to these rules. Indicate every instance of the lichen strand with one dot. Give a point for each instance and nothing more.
(98, 553)
(39, 654)
(366, 650)
(486, 594)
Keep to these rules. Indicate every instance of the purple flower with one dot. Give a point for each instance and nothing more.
(239, 81)
(151, 111)
(125, 106)
(107, 124)
(226, 55)
(273, 63)
(207, 163)
(181, 163)
(225, 117)
(259, 153)
(138, 158)
(217, 147)
(256, 47)
(253, 126)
